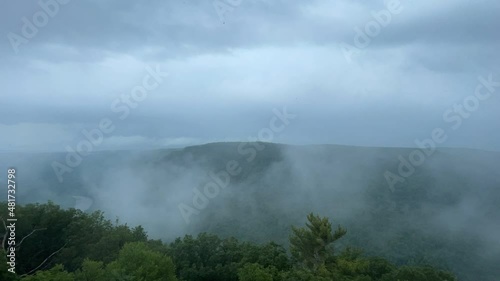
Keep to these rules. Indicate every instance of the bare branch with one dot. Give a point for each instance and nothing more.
(34, 230)
(5, 235)
(44, 261)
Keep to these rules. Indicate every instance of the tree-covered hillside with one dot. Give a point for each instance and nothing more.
(57, 244)
(444, 214)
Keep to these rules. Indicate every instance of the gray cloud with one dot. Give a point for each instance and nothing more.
(225, 78)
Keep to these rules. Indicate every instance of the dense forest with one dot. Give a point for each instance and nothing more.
(446, 214)
(56, 244)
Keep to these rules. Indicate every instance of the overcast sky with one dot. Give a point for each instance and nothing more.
(229, 68)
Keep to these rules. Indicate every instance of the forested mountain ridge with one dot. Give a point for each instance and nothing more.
(445, 214)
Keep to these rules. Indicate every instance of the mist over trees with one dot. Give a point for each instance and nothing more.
(444, 215)
(250, 140)
(91, 248)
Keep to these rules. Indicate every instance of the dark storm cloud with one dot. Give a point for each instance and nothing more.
(227, 75)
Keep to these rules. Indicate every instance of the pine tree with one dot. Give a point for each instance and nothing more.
(310, 245)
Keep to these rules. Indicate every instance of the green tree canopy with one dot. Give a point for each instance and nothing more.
(310, 245)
